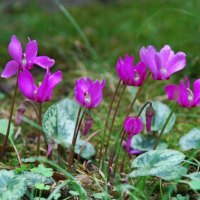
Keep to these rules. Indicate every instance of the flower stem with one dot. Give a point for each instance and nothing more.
(143, 107)
(76, 130)
(113, 120)
(39, 132)
(10, 117)
(106, 123)
(164, 126)
(137, 94)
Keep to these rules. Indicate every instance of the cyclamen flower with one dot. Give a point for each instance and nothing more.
(183, 94)
(87, 93)
(88, 122)
(164, 63)
(24, 60)
(133, 125)
(131, 75)
(44, 91)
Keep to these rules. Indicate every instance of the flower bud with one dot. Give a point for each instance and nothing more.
(150, 112)
(88, 121)
(20, 111)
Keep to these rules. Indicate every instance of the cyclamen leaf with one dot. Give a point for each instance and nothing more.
(146, 143)
(59, 123)
(194, 176)
(160, 163)
(4, 126)
(12, 186)
(41, 169)
(191, 140)
(162, 112)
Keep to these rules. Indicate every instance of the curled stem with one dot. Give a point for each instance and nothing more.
(143, 107)
(164, 126)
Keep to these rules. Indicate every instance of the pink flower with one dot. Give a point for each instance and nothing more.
(25, 60)
(164, 63)
(133, 125)
(130, 74)
(41, 93)
(183, 94)
(128, 148)
(87, 93)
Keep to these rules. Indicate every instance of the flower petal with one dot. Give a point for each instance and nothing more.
(31, 51)
(15, 49)
(26, 84)
(44, 61)
(45, 90)
(172, 92)
(176, 63)
(10, 69)
(183, 96)
(196, 87)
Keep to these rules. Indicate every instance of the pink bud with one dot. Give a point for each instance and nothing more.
(88, 121)
(50, 147)
(150, 112)
(20, 111)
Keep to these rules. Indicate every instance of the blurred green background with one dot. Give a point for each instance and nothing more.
(86, 37)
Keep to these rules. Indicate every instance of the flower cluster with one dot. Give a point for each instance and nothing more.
(22, 63)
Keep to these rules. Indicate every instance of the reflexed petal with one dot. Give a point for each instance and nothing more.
(31, 50)
(177, 62)
(183, 95)
(10, 69)
(172, 92)
(165, 54)
(45, 90)
(147, 56)
(196, 89)
(15, 49)
(26, 84)
(138, 125)
(44, 61)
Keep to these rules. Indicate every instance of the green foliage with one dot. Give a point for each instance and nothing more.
(194, 176)
(12, 186)
(146, 143)
(180, 197)
(4, 126)
(42, 186)
(194, 184)
(191, 140)
(41, 169)
(59, 123)
(160, 163)
(162, 112)
(35, 178)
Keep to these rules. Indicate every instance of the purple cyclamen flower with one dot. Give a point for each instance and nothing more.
(133, 125)
(87, 93)
(24, 60)
(44, 91)
(131, 75)
(183, 94)
(129, 149)
(164, 63)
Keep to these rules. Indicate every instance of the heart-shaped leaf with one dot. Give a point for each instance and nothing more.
(194, 176)
(59, 123)
(162, 112)
(35, 178)
(146, 143)
(160, 163)
(191, 140)
(12, 186)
